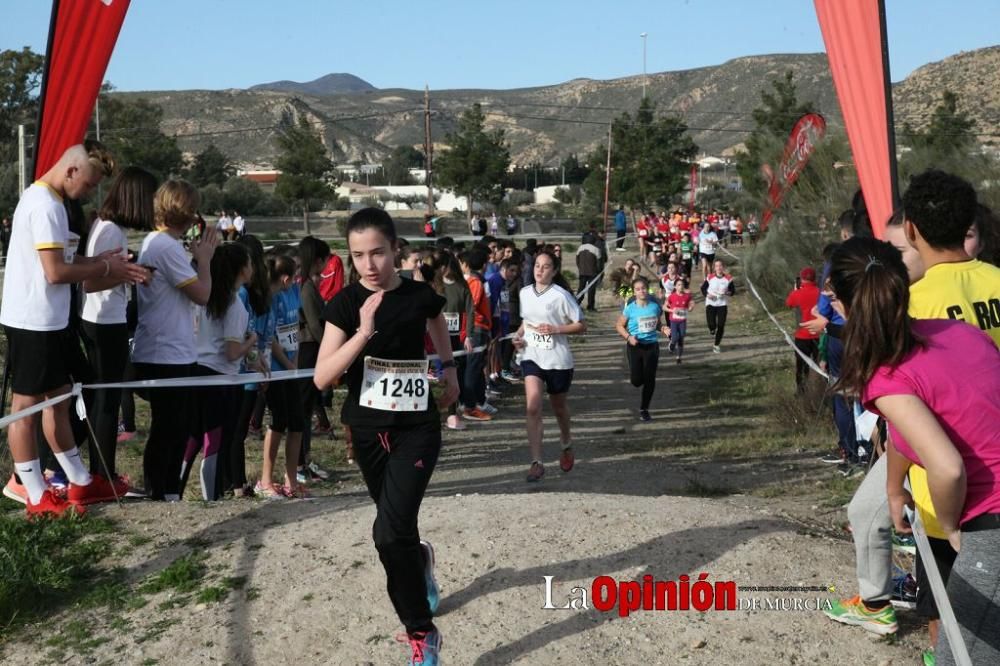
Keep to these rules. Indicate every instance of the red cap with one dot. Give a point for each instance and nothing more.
(808, 274)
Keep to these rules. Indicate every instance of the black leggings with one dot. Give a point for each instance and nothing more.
(169, 429)
(397, 466)
(716, 316)
(107, 351)
(284, 399)
(642, 362)
(214, 424)
(236, 465)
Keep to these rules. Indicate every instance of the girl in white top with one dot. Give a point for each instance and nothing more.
(707, 241)
(103, 327)
(223, 341)
(164, 338)
(549, 313)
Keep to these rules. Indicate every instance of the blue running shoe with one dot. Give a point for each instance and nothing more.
(433, 593)
(425, 647)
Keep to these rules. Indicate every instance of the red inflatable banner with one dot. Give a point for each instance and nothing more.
(82, 35)
(855, 38)
(807, 132)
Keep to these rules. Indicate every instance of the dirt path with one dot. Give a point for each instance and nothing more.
(308, 587)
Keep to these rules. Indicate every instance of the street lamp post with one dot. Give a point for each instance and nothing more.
(643, 35)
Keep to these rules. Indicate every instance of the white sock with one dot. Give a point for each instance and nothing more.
(72, 464)
(32, 479)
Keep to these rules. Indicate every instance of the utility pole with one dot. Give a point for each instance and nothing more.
(607, 182)
(428, 150)
(22, 167)
(643, 35)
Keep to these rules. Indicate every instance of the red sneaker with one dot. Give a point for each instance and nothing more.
(566, 459)
(15, 491)
(50, 505)
(98, 490)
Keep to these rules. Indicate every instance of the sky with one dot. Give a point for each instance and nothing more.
(217, 44)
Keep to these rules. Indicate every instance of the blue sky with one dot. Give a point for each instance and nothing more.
(181, 44)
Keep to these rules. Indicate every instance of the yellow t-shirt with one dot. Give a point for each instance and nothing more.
(968, 291)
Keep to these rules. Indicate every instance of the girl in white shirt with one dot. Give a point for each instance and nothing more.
(223, 341)
(549, 314)
(103, 327)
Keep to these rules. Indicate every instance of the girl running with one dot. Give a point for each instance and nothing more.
(223, 341)
(165, 345)
(677, 307)
(549, 313)
(375, 333)
(640, 325)
(717, 288)
(283, 397)
(707, 241)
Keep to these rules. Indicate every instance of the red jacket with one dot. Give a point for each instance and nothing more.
(804, 298)
(331, 278)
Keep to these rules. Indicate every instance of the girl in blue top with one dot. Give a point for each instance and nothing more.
(640, 324)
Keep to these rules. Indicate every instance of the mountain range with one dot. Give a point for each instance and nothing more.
(359, 122)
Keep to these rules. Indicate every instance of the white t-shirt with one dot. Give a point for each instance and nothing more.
(225, 223)
(718, 290)
(108, 306)
(554, 306)
(239, 223)
(165, 333)
(213, 334)
(40, 223)
(707, 242)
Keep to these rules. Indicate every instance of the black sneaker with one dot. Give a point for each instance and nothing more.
(644, 416)
(849, 470)
(833, 458)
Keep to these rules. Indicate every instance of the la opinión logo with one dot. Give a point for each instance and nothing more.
(606, 593)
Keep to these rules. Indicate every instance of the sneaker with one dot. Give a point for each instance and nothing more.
(644, 416)
(536, 472)
(619, 249)
(125, 435)
(425, 647)
(672, 347)
(268, 492)
(15, 491)
(510, 377)
(717, 349)
(853, 611)
(904, 591)
(850, 470)
(493, 394)
(566, 459)
(455, 423)
(301, 477)
(98, 490)
(349, 452)
(298, 492)
(678, 360)
(488, 408)
(51, 505)
(317, 472)
(57, 479)
(834, 457)
(475, 415)
(904, 543)
(928, 657)
(433, 592)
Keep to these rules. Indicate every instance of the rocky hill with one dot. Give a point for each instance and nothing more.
(331, 84)
(546, 123)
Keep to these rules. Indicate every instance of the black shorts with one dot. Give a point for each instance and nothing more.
(556, 381)
(40, 361)
(945, 556)
(710, 258)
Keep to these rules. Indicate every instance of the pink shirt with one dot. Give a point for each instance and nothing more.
(957, 375)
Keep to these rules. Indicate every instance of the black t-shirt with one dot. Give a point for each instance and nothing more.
(400, 324)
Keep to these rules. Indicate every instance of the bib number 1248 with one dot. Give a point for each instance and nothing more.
(395, 386)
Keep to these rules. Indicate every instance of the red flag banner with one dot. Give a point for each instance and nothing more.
(82, 35)
(806, 134)
(854, 34)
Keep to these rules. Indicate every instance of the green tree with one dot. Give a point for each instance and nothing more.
(477, 160)
(130, 128)
(305, 168)
(396, 167)
(949, 132)
(650, 159)
(242, 195)
(210, 166)
(20, 75)
(774, 119)
(575, 173)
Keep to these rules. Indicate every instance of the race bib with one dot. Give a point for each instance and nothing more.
(685, 255)
(454, 321)
(395, 386)
(643, 233)
(538, 340)
(680, 313)
(288, 338)
(647, 324)
(72, 244)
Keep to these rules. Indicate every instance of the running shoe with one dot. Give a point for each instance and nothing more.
(853, 611)
(57, 479)
(717, 349)
(125, 435)
(672, 346)
(904, 591)
(678, 360)
(488, 408)
(492, 394)
(433, 592)
(15, 491)
(455, 423)
(536, 472)
(619, 249)
(51, 505)
(566, 459)
(928, 657)
(850, 470)
(644, 416)
(317, 472)
(268, 492)
(475, 415)
(835, 457)
(301, 476)
(425, 647)
(510, 377)
(98, 490)
(904, 542)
